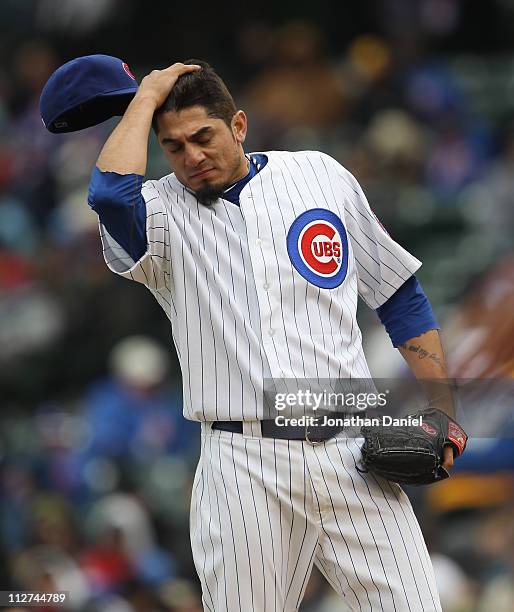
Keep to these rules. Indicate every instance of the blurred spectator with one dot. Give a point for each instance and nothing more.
(483, 328)
(134, 414)
(47, 569)
(298, 88)
(106, 564)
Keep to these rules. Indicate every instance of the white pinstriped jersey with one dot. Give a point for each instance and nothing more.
(241, 307)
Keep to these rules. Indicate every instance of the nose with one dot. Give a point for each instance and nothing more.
(194, 156)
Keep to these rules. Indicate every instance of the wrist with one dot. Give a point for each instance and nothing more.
(144, 100)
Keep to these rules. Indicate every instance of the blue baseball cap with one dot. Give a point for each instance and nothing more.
(85, 92)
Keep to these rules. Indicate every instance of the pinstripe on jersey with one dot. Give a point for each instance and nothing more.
(240, 312)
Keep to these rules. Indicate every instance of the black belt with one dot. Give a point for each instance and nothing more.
(269, 429)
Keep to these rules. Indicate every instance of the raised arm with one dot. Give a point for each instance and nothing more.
(126, 149)
(132, 244)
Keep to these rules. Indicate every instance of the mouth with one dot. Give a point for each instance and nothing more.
(201, 174)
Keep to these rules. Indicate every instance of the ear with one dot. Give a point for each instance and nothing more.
(239, 126)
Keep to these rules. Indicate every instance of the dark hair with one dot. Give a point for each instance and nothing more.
(200, 88)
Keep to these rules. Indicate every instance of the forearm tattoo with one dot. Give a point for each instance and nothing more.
(422, 353)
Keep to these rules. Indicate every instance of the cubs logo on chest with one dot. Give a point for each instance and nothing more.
(317, 245)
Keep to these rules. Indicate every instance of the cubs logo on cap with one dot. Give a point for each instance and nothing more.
(318, 247)
(128, 70)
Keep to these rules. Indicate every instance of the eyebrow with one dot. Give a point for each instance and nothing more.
(198, 134)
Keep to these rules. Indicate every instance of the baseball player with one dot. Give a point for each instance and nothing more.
(257, 260)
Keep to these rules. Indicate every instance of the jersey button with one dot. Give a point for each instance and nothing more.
(271, 332)
(258, 242)
(266, 287)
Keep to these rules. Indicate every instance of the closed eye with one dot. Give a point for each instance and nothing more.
(202, 136)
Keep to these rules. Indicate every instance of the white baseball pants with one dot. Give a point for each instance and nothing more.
(264, 510)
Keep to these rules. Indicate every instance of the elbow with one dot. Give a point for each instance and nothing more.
(108, 190)
(407, 314)
(101, 199)
(100, 193)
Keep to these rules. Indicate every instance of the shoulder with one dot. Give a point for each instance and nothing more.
(305, 157)
(290, 154)
(322, 164)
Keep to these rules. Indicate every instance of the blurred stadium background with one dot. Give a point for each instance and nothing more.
(416, 98)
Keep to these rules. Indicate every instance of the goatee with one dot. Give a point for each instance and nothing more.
(208, 195)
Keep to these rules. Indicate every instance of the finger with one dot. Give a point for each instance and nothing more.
(448, 457)
(182, 68)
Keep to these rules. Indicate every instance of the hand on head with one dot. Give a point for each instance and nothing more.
(158, 84)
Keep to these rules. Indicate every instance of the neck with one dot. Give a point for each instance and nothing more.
(242, 169)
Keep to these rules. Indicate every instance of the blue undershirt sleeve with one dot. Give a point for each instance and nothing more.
(407, 313)
(118, 201)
